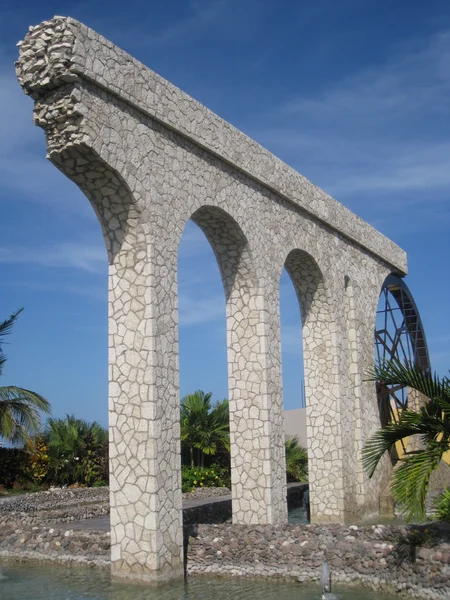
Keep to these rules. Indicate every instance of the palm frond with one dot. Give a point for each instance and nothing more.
(6, 326)
(5, 329)
(384, 440)
(296, 459)
(431, 423)
(411, 479)
(396, 373)
(20, 413)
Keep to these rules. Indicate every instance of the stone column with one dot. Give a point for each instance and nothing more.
(324, 387)
(256, 413)
(258, 473)
(145, 480)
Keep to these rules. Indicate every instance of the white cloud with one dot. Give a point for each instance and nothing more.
(200, 16)
(415, 78)
(77, 255)
(96, 290)
(24, 170)
(382, 131)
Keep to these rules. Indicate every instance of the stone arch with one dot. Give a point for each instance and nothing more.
(258, 487)
(322, 387)
(106, 190)
(134, 357)
(231, 249)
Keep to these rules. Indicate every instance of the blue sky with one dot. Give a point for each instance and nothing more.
(353, 94)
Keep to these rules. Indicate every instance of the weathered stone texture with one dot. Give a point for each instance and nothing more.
(377, 556)
(149, 158)
(372, 556)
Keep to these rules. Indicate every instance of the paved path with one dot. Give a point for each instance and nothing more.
(102, 523)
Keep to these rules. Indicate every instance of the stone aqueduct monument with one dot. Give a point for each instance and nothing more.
(149, 158)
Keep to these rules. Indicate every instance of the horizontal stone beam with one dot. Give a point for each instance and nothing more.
(62, 50)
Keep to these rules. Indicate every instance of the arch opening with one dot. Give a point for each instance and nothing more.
(294, 401)
(250, 446)
(308, 283)
(202, 351)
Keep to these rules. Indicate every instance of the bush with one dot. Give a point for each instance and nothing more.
(198, 477)
(38, 463)
(14, 463)
(442, 506)
(78, 452)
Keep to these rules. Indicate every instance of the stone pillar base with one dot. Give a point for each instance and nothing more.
(122, 571)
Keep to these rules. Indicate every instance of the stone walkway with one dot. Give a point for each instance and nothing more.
(102, 523)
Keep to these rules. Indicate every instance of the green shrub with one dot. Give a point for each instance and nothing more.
(198, 477)
(78, 451)
(442, 506)
(14, 465)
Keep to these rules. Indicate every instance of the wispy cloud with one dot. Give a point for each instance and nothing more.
(24, 170)
(78, 255)
(381, 132)
(415, 78)
(199, 15)
(96, 290)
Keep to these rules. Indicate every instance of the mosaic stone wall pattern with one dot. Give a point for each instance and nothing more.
(149, 158)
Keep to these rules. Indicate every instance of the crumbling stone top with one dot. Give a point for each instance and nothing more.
(63, 51)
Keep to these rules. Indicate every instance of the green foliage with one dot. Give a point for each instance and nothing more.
(442, 506)
(198, 477)
(296, 460)
(78, 451)
(204, 428)
(38, 461)
(13, 466)
(19, 408)
(431, 423)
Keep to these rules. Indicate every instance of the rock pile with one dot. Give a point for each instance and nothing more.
(382, 557)
(54, 506)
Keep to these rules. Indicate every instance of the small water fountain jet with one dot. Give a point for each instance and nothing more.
(325, 581)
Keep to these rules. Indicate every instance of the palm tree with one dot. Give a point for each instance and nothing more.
(203, 426)
(296, 459)
(19, 408)
(431, 423)
(69, 441)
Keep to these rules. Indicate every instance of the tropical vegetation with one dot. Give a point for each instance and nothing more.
(205, 443)
(72, 451)
(20, 409)
(431, 423)
(205, 427)
(296, 460)
(69, 451)
(77, 451)
(198, 477)
(442, 506)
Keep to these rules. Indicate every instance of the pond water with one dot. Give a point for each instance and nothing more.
(297, 515)
(33, 581)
